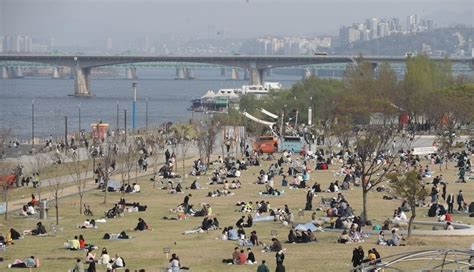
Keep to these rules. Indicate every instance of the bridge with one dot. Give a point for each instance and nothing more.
(82, 64)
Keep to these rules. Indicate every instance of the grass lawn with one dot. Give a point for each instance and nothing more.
(204, 252)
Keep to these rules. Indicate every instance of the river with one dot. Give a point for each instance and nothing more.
(168, 100)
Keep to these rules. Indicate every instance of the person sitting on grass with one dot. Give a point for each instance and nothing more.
(242, 257)
(141, 226)
(235, 257)
(174, 264)
(344, 238)
(116, 262)
(73, 244)
(39, 230)
(250, 256)
(88, 224)
(275, 247)
(30, 262)
(395, 240)
(104, 257)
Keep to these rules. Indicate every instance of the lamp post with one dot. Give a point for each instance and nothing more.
(125, 122)
(32, 123)
(134, 105)
(118, 119)
(79, 118)
(146, 114)
(65, 131)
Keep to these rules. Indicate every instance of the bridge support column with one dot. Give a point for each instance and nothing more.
(57, 72)
(131, 73)
(223, 71)
(180, 73)
(82, 83)
(256, 76)
(246, 74)
(306, 73)
(235, 74)
(18, 72)
(189, 73)
(5, 73)
(268, 72)
(128, 73)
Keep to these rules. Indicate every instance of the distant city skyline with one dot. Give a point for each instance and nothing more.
(87, 23)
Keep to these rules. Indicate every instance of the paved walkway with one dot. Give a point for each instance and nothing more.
(71, 189)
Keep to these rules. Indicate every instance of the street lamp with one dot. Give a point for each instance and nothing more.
(32, 123)
(134, 105)
(146, 114)
(79, 118)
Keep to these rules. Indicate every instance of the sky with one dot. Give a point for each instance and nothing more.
(73, 22)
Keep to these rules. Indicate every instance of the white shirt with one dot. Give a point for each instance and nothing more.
(119, 262)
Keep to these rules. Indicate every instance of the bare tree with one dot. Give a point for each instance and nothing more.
(57, 190)
(128, 153)
(5, 136)
(78, 167)
(6, 180)
(207, 131)
(184, 135)
(109, 158)
(373, 160)
(38, 164)
(410, 188)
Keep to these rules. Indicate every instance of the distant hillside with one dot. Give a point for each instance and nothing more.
(442, 39)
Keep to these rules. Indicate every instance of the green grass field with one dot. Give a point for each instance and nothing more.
(204, 252)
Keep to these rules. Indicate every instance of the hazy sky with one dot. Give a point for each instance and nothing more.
(83, 22)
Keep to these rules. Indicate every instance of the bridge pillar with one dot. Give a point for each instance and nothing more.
(306, 73)
(246, 74)
(5, 73)
(18, 72)
(235, 74)
(82, 82)
(268, 72)
(128, 73)
(180, 73)
(189, 73)
(57, 72)
(256, 76)
(223, 71)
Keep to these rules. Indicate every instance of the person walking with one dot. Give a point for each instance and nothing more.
(450, 202)
(280, 257)
(263, 267)
(460, 200)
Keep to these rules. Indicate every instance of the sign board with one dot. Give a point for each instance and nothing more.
(424, 150)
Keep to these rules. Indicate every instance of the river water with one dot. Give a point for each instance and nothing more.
(168, 100)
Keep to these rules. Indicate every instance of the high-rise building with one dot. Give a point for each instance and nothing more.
(412, 23)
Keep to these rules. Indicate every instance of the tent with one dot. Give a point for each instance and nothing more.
(114, 185)
(307, 226)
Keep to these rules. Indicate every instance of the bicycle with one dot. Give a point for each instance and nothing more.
(87, 210)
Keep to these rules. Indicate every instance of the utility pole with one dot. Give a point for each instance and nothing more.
(79, 118)
(65, 131)
(146, 114)
(118, 119)
(32, 123)
(125, 122)
(134, 105)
